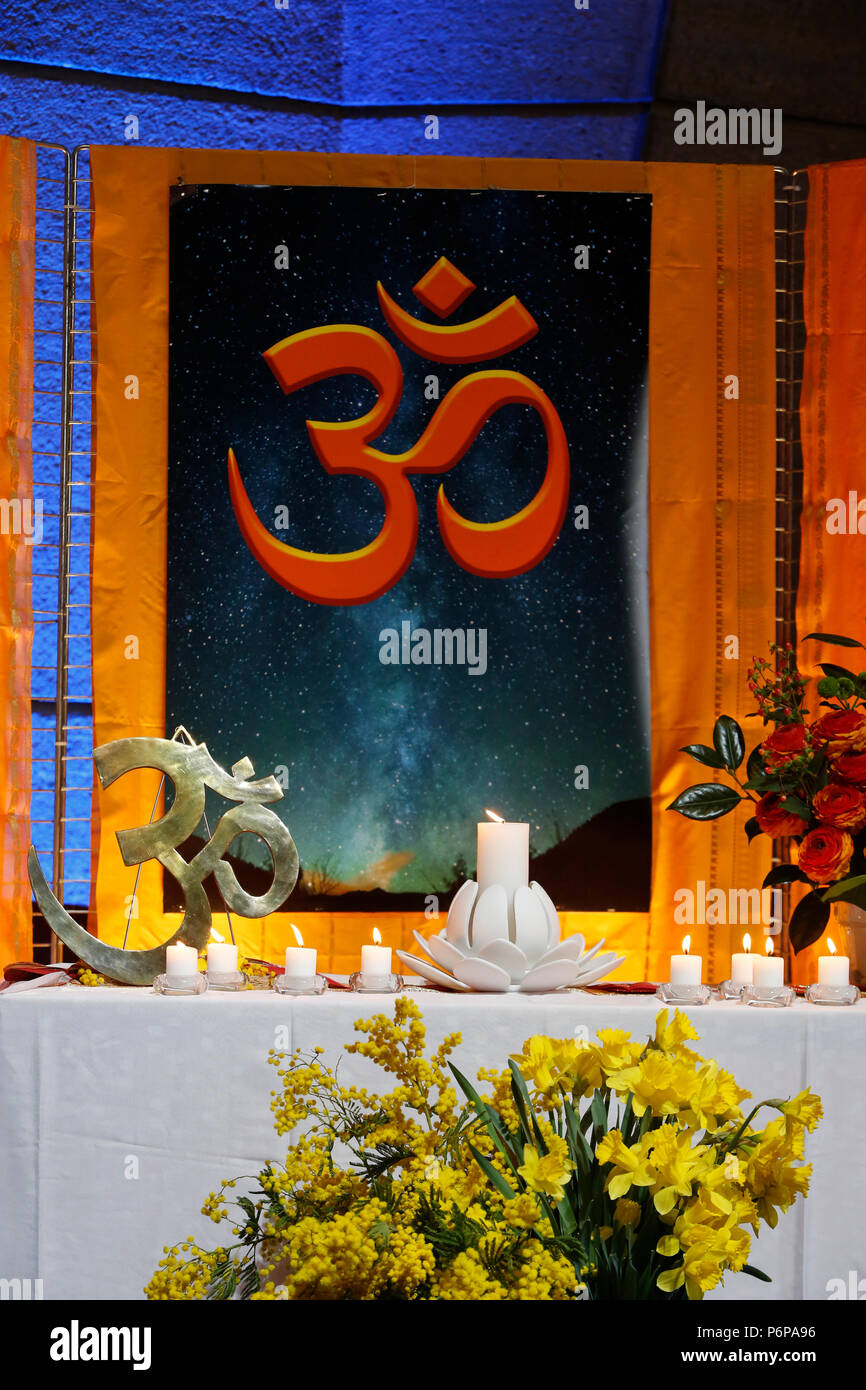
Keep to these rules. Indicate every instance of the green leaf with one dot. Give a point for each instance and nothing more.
(492, 1119)
(755, 765)
(763, 782)
(752, 828)
(795, 807)
(705, 801)
(599, 1113)
(845, 885)
(784, 873)
(578, 1146)
(524, 1108)
(491, 1173)
(833, 638)
(757, 1273)
(566, 1215)
(728, 741)
(702, 753)
(808, 921)
(248, 1209)
(838, 671)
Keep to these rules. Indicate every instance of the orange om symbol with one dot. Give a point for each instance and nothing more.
(494, 550)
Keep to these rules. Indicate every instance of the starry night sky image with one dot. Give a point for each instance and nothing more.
(390, 766)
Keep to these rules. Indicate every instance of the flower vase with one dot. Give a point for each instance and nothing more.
(852, 922)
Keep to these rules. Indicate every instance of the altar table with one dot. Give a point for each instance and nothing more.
(120, 1110)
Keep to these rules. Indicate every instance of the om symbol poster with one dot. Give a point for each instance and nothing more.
(407, 542)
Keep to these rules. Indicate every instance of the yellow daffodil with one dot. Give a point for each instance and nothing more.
(546, 1173)
(627, 1213)
(805, 1108)
(669, 1034)
(631, 1167)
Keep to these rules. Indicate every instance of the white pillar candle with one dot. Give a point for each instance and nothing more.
(686, 969)
(834, 969)
(181, 960)
(222, 957)
(300, 959)
(503, 855)
(743, 967)
(376, 961)
(743, 964)
(300, 962)
(769, 969)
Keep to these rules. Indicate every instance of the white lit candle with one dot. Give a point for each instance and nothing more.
(503, 854)
(769, 969)
(686, 969)
(222, 958)
(300, 959)
(376, 958)
(833, 969)
(743, 963)
(181, 960)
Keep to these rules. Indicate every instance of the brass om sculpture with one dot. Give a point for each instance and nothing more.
(191, 770)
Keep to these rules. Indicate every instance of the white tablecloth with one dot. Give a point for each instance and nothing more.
(92, 1079)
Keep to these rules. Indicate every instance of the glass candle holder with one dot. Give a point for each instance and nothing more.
(684, 994)
(731, 989)
(253, 981)
(768, 996)
(300, 984)
(375, 984)
(225, 979)
(833, 994)
(180, 984)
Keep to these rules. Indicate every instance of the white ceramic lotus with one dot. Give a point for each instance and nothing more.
(484, 947)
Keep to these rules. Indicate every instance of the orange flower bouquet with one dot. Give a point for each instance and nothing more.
(806, 780)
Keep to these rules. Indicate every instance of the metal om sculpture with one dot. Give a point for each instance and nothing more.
(191, 770)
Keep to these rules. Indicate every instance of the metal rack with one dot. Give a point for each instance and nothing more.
(792, 191)
(61, 697)
(791, 198)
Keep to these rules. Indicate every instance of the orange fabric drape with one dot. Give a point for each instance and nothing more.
(832, 591)
(712, 486)
(17, 212)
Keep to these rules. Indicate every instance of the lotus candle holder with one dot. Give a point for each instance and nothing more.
(497, 946)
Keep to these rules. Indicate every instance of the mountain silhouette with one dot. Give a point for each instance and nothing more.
(602, 865)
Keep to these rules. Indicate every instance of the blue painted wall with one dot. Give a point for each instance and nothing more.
(356, 52)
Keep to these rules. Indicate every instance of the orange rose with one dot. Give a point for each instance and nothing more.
(783, 744)
(843, 731)
(851, 767)
(774, 821)
(825, 854)
(841, 806)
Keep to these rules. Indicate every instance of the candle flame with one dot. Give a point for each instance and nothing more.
(215, 936)
(747, 943)
(831, 946)
(768, 949)
(298, 938)
(377, 936)
(500, 820)
(687, 942)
